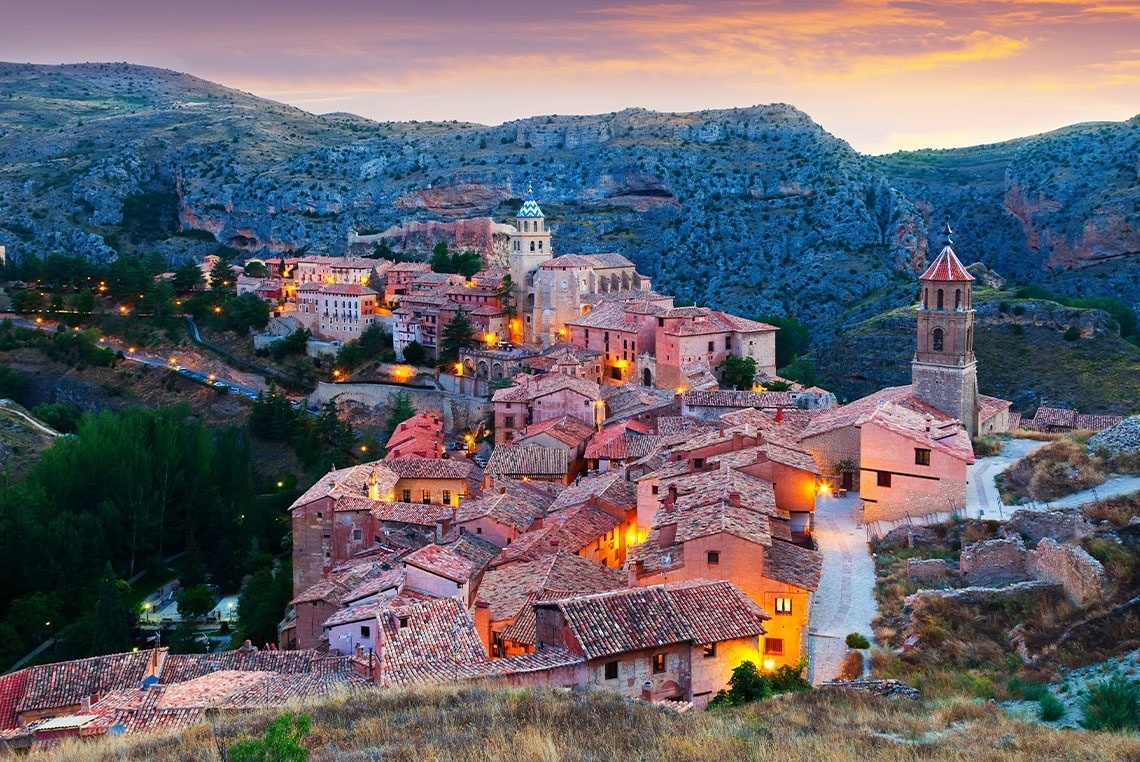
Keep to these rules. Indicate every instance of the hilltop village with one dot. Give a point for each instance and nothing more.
(639, 526)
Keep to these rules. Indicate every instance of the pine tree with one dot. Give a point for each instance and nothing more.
(112, 634)
(441, 261)
(402, 410)
(456, 336)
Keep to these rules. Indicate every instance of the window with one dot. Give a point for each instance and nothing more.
(728, 342)
(710, 346)
(403, 622)
(714, 557)
(921, 457)
(656, 488)
(698, 462)
(327, 533)
(509, 422)
(940, 299)
(447, 497)
(407, 496)
(319, 514)
(611, 670)
(957, 298)
(937, 340)
(709, 650)
(884, 479)
(427, 496)
(784, 606)
(774, 646)
(658, 662)
(478, 530)
(357, 534)
(365, 631)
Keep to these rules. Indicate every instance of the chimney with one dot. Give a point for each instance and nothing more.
(734, 498)
(737, 441)
(502, 489)
(442, 527)
(779, 414)
(647, 691)
(482, 617)
(373, 486)
(671, 497)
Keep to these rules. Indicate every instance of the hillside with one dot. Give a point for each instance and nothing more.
(755, 210)
(1021, 347)
(495, 724)
(23, 439)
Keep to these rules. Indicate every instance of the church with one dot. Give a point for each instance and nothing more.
(906, 448)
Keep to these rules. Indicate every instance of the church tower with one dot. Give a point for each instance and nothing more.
(529, 244)
(944, 372)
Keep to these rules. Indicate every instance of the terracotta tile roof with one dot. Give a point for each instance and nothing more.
(1055, 416)
(566, 261)
(991, 406)
(349, 482)
(12, 689)
(744, 325)
(609, 488)
(1089, 422)
(337, 586)
(608, 316)
(438, 644)
(787, 454)
(945, 435)
(178, 668)
(410, 267)
(430, 468)
(420, 514)
(946, 267)
(532, 388)
(793, 564)
(209, 690)
(279, 689)
(731, 398)
(442, 562)
(347, 289)
(535, 661)
(524, 629)
(568, 530)
(699, 611)
(528, 460)
(621, 441)
(508, 589)
(361, 613)
(676, 425)
(419, 444)
(566, 429)
(66, 683)
(847, 415)
(514, 507)
(1014, 421)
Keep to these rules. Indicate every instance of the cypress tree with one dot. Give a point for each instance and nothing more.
(112, 634)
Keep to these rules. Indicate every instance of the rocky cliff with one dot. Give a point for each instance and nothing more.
(755, 210)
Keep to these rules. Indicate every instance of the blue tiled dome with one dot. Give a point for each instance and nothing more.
(529, 209)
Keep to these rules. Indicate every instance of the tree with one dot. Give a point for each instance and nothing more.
(456, 336)
(112, 631)
(441, 261)
(402, 409)
(195, 602)
(801, 370)
(187, 277)
(738, 372)
(505, 291)
(792, 339)
(414, 353)
(256, 270)
(262, 604)
(281, 742)
(222, 277)
(466, 263)
(83, 303)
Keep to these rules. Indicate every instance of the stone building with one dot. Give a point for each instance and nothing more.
(944, 373)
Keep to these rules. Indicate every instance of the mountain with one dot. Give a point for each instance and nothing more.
(754, 210)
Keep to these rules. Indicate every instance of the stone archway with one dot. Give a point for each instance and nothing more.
(646, 378)
(497, 371)
(481, 369)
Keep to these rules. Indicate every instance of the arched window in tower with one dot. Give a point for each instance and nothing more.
(936, 338)
(526, 226)
(532, 245)
(969, 339)
(540, 245)
(940, 304)
(957, 298)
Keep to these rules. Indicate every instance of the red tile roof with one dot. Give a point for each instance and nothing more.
(438, 644)
(946, 267)
(741, 399)
(610, 488)
(51, 686)
(849, 414)
(515, 507)
(698, 611)
(566, 429)
(532, 388)
(508, 589)
(430, 468)
(442, 562)
(12, 689)
(568, 530)
(793, 564)
(528, 460)
(945, 435)
(421, 514)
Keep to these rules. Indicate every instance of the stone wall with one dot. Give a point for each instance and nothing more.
(456, 411)
(1081, 575)
(994, 562)
(1034, 526)
(927, 570)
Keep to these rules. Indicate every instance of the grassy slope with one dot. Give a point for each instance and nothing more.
(471, 724)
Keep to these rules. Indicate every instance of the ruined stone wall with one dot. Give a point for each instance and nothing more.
(1034, 526)
(1081, 575)
(994, 562)
(927, 570)
(457, 412)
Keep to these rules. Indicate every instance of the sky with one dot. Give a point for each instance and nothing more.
(884, 75)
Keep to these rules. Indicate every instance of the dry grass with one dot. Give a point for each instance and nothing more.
(475, 725)
(1055, 470)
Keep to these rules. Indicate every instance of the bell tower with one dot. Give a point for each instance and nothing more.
(529, 244)
(944, 372)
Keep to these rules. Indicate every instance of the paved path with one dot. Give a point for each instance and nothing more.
(845, 600)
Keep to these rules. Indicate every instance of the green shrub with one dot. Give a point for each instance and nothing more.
(1072, 333)
(281, 743)
(1051, 708)
(749, 684)
(1112, 705)
(856, 640)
